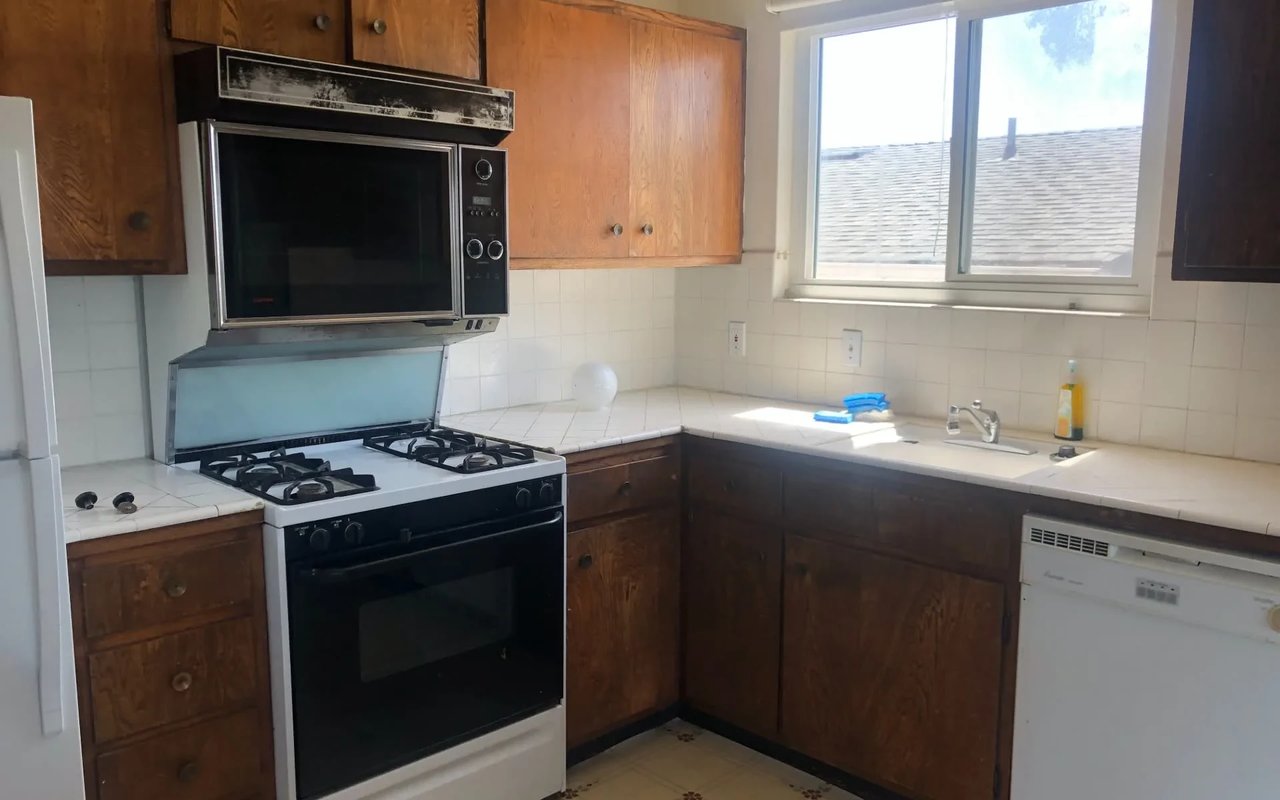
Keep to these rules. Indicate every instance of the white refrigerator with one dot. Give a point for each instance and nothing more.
(39, 724)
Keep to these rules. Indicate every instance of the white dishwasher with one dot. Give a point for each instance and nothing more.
(1146, 670)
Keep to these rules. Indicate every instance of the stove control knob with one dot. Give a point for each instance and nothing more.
(523, 497)
(546, 493)
(353, 533)
(319, 538)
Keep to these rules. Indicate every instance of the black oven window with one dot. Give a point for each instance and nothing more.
(319, 228)
(408, 631)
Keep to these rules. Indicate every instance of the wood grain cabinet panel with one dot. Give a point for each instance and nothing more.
(732, 590)
(441, 36)
(569, 157)
(172, 678)
(1229, 191)
(312, 29)
(623, 622)
(892, 670)
(215, 760)
(99, 79)
(624, 487)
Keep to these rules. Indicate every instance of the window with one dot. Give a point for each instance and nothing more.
(980, 153)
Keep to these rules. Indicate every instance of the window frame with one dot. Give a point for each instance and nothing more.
(1130, 295)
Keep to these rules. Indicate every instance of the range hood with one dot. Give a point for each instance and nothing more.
(233, 85)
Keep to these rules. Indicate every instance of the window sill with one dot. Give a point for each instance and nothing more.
(1033, 302)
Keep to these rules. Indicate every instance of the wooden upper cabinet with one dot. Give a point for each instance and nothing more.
(686, 142)
(1229, 193)
(569, 157)
(892, 670)
(313, 29)
(441, 36)
(99, 79)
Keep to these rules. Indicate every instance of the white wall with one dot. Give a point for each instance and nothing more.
(97, 368)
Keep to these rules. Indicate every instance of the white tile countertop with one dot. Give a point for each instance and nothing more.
(1242, 495)
(164, 496)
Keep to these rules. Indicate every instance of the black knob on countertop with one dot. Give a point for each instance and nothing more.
(86, 500)
(1067, 451)
(319, 539)
(124, 503)
(353, 533)
(547, 492)
(523, 497)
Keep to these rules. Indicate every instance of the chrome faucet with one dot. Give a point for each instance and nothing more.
(988, 422)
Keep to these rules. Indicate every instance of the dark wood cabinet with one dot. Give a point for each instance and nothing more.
(624, 622)
(892, 670)
(440, 36)
(99, 76)
(313, 29)
(172, 668)
(732, 587)
(1229, 190)
(628, 149)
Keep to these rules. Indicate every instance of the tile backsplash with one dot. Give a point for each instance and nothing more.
(560, 319)
(1202, 375)
(97, 368)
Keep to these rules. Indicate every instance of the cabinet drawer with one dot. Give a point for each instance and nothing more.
(951, 534)
(210, 761)
(814, 499)
(172, 678)
(138, 594)
(749, 489)
(623, 487)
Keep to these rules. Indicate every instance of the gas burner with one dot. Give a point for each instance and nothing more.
(287, 478)
(457, 451)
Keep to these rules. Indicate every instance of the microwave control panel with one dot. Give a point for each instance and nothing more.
(484, 231)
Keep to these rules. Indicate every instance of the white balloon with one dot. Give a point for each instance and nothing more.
(594, 385)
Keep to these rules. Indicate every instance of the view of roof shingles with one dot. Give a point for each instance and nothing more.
(1065, 200)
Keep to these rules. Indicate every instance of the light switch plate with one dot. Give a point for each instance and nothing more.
(737, 340)
(851, 344)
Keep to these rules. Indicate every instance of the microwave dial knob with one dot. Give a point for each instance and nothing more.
(475, 249)
(546, 493)
(319, 538)
(523, 497)
(484, 169)
(496, 250)
(353, 533)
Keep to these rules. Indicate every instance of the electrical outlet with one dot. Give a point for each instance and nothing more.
(851, 343)
(737, 340)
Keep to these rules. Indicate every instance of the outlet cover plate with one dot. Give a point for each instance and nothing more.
(851, 346)
(737, 340)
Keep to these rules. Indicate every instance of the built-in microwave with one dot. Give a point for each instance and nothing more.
(331, 194)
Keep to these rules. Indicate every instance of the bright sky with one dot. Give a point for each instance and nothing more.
(895, 85)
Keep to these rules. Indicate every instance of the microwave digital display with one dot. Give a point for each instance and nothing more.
(481, 201)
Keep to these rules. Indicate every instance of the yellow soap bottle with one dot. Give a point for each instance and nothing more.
(1071, 406)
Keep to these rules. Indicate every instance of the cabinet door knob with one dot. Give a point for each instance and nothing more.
(139, 221)
(322, 21)
(625, 488)
(188, 772)
(647, 230)
(584, 561)
(616, 229)
(175, 587)
(378, 26)
(181, 682)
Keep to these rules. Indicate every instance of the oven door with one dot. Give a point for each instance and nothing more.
(407, 652)
(312, 227)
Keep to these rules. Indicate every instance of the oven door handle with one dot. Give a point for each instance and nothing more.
(358, 571)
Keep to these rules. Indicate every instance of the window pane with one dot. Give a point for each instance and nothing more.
(1059, 136)
(884, 153)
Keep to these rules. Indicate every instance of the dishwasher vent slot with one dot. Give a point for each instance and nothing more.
(1076, 544)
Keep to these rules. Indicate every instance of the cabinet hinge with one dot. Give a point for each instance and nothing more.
(1006, 628)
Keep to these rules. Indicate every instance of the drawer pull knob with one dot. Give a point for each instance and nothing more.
(322, 22)
(625, 488)
(616, 229)
(181, 682)
(175, 587)
(378, 26)
(584, 561)
(139, 221)
(188, 772)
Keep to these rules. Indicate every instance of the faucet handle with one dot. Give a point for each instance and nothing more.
(953, 421)
(977, 405)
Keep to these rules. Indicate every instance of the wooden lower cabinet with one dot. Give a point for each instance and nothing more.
(624, 622)
(892, 670)
(732, 583)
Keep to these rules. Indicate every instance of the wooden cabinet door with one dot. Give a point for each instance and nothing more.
(441, 36)
(569, 158)
(1229, 194)
(624, 622)
(687, 133)
(98, 79)
(891, 670)
(314, 29)
(732, 586)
